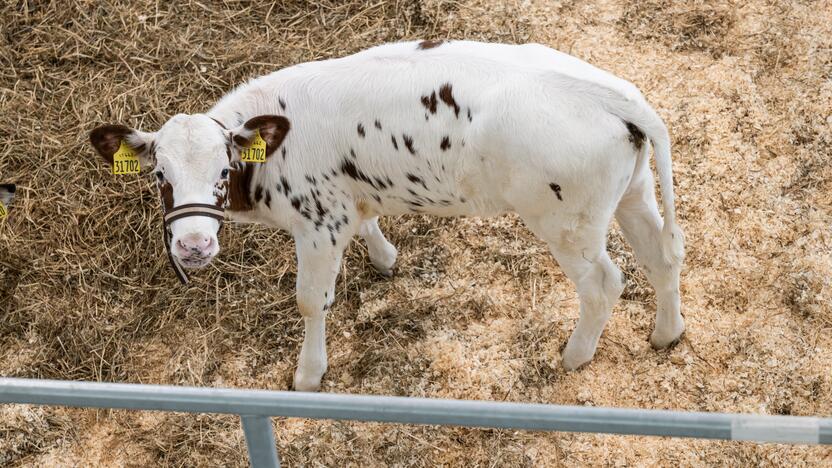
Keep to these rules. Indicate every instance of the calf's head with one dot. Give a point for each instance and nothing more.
(193, 158)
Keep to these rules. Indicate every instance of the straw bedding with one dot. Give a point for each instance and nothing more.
(478, 309)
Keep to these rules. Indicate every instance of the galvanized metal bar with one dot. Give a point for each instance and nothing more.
(260, 441)
(761, 428)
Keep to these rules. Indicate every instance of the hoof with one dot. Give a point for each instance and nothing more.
(569, 368)
(666, 340)
(575, 359)
(306, 384)
(384, 259)
(385, 272)
(662, 346)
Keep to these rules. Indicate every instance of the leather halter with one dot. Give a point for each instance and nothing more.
(186, 211)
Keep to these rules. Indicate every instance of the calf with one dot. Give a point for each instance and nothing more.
(444, 128)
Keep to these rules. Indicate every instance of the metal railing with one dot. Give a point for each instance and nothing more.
(255, 407)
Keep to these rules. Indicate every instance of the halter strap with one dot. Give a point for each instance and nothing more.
(218, 123)
(194, 209)
(186, 211)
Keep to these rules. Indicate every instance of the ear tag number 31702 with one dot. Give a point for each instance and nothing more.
(256, 151)
(125, 160)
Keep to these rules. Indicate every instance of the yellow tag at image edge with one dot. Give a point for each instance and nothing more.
(125, 160)
(3, 211)
(256, 151)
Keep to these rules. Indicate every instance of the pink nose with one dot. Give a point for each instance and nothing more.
(194, 244)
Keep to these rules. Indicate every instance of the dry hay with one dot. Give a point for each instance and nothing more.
(477, 309)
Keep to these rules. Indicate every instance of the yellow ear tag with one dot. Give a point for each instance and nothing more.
(125, 160)
(256, 151)
(3, 211)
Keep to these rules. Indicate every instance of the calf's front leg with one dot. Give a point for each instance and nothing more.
(318, 264)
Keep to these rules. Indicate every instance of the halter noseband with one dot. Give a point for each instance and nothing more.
(186, 211)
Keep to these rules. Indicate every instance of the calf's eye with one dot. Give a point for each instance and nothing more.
(160, 177)
(224, 173)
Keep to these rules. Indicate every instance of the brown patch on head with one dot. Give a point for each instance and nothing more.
(221, 193)
(430, 44)
(447, 96)
(166, 195)
(430, 102)
(239, 187)
(636, 135)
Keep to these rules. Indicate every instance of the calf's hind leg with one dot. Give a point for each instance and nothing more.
(638, 216)
(581, 254)
(382, 252)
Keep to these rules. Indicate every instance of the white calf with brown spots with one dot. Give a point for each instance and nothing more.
(445, 128)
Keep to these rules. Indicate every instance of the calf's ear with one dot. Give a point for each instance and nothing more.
(272, 128)
(107, 139)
